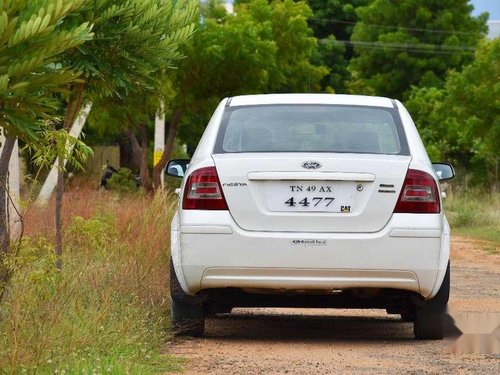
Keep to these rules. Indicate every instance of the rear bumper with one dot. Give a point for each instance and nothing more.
(410, 254)
(307, 279)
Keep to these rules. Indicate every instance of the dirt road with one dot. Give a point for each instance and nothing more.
(326, 341)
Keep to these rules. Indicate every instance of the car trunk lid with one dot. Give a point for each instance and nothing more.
(311, 192)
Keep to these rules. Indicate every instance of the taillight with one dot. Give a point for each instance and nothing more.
(203, 191)
(419, 194)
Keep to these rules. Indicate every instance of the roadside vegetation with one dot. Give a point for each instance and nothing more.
(107, 311)
(475, 214)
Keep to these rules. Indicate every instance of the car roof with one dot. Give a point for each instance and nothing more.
(266, 99)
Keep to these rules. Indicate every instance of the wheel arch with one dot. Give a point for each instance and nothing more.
(444, 258)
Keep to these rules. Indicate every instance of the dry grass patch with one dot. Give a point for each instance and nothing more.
(107, 311)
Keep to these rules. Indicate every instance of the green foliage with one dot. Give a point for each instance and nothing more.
(58, 143)
(426, 107)
(413, 42)
(333, 23)
(461, 122)
(37, 254)
(334, 17)
(33, 35)
(107, 122)
(124, 66)
(106, 311)
(263, 47)
(475, 93)
(133, 40)
(123, 180)
(113, 117)
(97, 232)
(294, 71)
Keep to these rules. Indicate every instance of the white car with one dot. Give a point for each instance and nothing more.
(310, 200)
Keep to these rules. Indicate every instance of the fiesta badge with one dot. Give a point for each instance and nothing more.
(311, 165)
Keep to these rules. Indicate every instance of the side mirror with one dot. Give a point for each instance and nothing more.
(444, 171)
(177, 167)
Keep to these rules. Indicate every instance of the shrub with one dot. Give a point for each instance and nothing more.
(123, 180)
(107, 310)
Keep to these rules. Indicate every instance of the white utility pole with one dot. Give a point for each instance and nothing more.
(13, 206)
(51, 181)
(159, 145)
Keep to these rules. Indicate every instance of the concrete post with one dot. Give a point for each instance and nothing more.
(159, 145)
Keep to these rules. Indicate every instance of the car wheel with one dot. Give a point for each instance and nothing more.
(408, 316)
(188, 319)
(429, 317)
(187, 313)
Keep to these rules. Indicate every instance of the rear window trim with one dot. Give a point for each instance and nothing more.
(218, 148)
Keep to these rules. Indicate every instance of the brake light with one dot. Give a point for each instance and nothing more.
(419, 194)
(203, 191)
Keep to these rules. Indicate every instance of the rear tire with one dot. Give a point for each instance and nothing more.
(408, 316)
(429, 317)
(188, 319)
(187, 312)
(428, 326)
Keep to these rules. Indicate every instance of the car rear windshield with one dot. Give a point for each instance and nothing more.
(311, 128)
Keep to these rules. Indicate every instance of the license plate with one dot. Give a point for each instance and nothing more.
(311, 196)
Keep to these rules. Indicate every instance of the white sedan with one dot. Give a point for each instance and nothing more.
(310, 200)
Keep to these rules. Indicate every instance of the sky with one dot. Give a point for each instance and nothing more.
(493, 8)
(490, 6)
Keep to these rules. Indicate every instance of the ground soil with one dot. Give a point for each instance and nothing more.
(326, 341)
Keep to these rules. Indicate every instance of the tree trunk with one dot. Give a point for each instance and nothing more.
(136, 149)
(4, 204)
(169, 147)
(58, 213)
(140, 155)
(145, 176)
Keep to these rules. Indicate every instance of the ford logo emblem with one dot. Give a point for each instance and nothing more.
(311, 165)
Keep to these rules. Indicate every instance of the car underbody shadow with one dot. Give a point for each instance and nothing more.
(309, 324)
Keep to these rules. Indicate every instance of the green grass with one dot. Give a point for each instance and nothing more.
(107, 311)
(487, 233)
(475, 214)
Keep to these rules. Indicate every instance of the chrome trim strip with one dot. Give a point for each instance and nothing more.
(311, 176)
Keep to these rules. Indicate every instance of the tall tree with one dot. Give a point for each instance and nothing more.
(411, 42)
(129, 117)
(461, 122)
(263, 47)
(33, 35)
(333, 23)
(134, 40)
